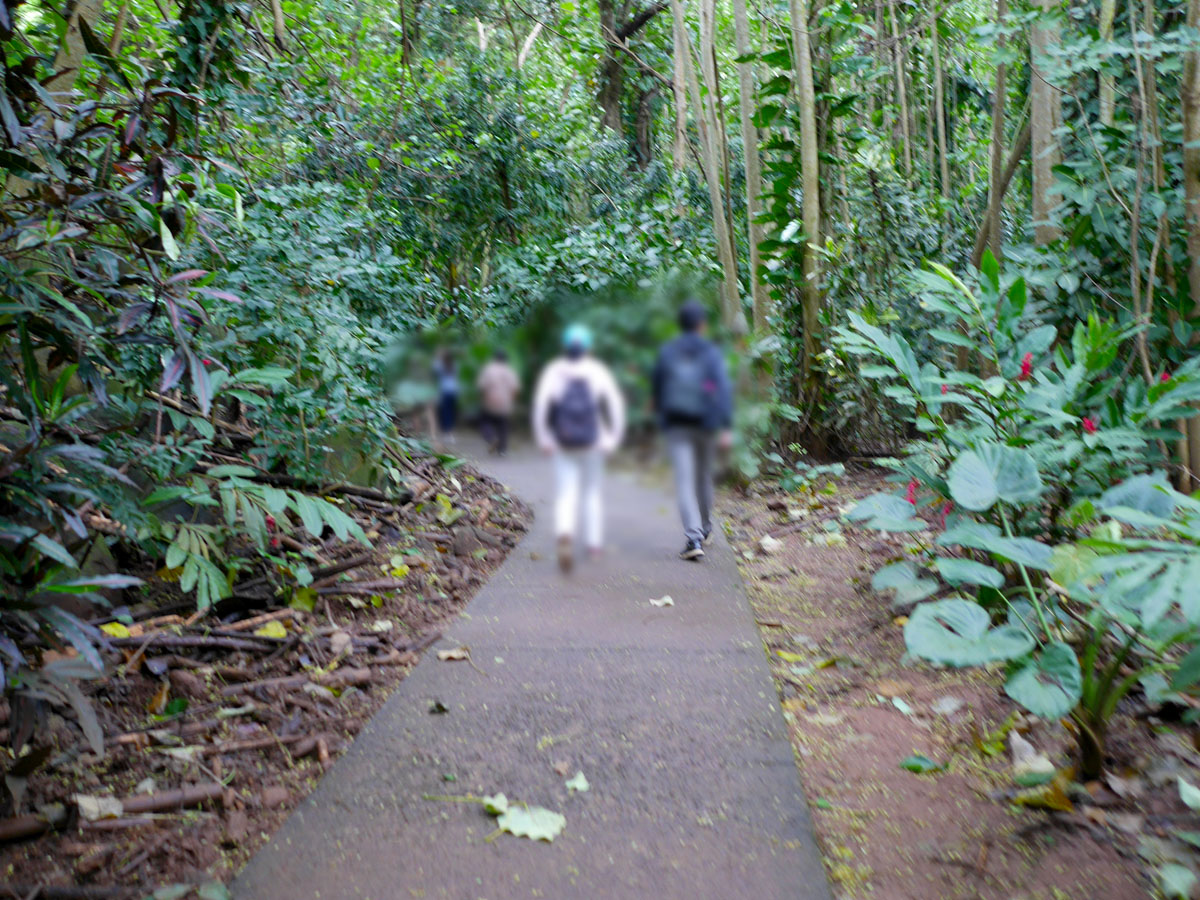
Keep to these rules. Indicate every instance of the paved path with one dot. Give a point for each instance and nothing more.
(670, 713)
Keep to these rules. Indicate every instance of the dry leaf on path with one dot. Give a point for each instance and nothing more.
(665, 600)
(339, 643)
(456, 654)
(92, 809)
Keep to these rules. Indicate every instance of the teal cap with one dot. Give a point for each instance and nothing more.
(577, 336)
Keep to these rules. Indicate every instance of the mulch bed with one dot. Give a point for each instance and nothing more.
(216, 726)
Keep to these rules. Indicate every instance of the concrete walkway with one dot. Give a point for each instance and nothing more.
(670, 713)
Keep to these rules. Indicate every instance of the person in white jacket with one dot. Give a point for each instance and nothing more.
(578, 420)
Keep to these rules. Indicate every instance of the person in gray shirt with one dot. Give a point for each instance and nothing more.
(693, 402)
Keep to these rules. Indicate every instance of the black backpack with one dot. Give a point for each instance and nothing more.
(575, 418)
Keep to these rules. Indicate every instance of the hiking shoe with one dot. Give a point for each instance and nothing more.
(707, 536)
(692, 551)
(566, 555)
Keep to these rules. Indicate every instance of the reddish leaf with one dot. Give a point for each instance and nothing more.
(173, 371)
(221, 295)
(189, 275)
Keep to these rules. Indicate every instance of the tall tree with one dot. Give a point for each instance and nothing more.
(753, 162)
(1191, 185)
(810, 177)
(939, 107)
(707, 128)
(1108, 84)
(1045, 116)
(996, 168)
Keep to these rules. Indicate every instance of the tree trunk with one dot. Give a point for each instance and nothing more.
(611, 72)
(72, 51)
(901, 91)
(758, 291)
(810, 176)
(939, 109)
(1019, 149)
(679, 89)
(996, 191)
(1045, 115)
(1108, 87)
(1191, 185)
(710, 158)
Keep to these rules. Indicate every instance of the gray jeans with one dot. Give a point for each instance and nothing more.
(693, 451)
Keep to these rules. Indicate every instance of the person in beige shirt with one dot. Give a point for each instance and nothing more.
(499, 386)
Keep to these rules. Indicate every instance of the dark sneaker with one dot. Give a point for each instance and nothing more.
(707, 537)
(566, 555)
(692, 551)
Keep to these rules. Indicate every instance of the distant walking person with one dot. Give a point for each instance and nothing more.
(445, 374)
(578, 419)
(693, 401)
(499, 386)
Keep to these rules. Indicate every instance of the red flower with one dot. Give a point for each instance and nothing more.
(274, 543)
(945, 388)
(1089, 425)
(946, 507)
(911, 495)
(1164, 377)
(206, 361)
(1026, 367)
(270, 522)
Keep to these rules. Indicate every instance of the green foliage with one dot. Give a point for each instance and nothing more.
(1019, 464)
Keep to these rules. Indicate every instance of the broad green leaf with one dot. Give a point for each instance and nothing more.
(1049, 683)
(1189, 794)
(958, 571)
(1178, 882)
(495, 804)
(991, 472)
(957, 632)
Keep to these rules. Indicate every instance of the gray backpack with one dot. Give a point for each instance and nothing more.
(688, 386)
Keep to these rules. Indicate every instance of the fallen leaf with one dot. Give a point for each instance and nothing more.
(213, 890)
(115, 629)
(902, 706)
(379, 626)
(662, 601)
(889, 688)
(272, 629)
(534, 822)
(496, 804)
(159, 701)
(1051, 795)
(92, 809)
(578, 783)
(920, 764)
(562, 767)
(439, 708)
(340, 643)
(948, 706)
(145, 786)
(769, 545)
(457, 654)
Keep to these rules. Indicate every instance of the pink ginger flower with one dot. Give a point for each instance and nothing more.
(1164, 377)
(1089, 424)
(911, 494)
(1026, 367)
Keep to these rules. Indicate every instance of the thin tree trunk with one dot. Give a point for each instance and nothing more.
(1045, 114)
(731, 301)
(72, 51)
(1108, 87)
(939, 109)
(996, 192)
(611, 72)
(1190, 459)
(901, 91)
(758, 291)
(810, 175)
(1019, 149)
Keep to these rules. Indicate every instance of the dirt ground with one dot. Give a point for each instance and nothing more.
(857, 708)
(255, 723)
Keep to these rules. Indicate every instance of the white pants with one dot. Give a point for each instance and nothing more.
(579, 477)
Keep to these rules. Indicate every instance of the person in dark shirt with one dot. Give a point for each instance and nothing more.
(693, 402)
